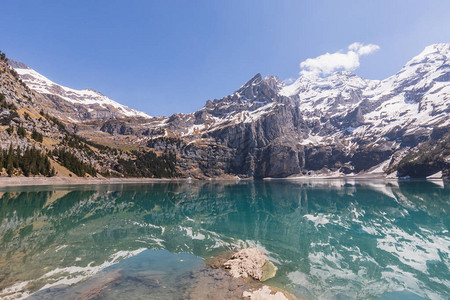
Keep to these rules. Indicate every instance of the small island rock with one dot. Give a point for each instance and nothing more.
(250, 262)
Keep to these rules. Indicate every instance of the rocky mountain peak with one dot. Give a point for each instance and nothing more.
(274, 82)
(259, 89)
(424, 70)
(254, 81)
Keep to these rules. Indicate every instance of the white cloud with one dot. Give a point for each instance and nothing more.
(330, 62)
(363, 50)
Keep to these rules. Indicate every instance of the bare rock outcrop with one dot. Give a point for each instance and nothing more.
(250, 262)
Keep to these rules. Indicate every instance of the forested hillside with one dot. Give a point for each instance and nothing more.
(35, 143)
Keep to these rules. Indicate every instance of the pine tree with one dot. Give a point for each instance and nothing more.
(21, 131)
(37, 136)
(2, 161)
(10, 161)
(10, 130)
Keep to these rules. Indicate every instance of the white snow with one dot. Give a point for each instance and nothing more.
(380, 168)
(437, 175)
(340, 93)
(43, 85)
(312, 139)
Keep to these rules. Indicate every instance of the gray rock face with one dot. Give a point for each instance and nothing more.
(116, 127)
(341, 124)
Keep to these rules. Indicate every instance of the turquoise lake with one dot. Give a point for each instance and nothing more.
(330, 239)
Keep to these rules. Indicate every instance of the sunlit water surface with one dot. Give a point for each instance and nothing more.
(330, 239)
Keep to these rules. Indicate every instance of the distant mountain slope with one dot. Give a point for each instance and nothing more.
(317, 126)
(71, 104)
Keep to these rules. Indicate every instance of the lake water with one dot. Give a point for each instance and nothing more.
(330, 239)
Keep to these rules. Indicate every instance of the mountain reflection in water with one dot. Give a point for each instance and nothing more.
(331, 239)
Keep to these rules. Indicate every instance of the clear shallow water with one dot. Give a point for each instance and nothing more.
(330, 239)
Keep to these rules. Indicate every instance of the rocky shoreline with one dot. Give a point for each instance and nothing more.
(42, 181)
(187, 277)
(252, 267)
(33, 181)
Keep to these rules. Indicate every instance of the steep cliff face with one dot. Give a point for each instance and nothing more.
(339, 124)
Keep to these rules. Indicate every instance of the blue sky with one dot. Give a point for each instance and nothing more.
(163, 57)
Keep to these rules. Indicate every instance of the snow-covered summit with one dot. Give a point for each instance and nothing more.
(432, 63)
(92, 100)
(434, 59)
(434, 52)
(338, 81)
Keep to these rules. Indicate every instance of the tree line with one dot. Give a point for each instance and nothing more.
(30, 162)
(72, 163)
(148, 164)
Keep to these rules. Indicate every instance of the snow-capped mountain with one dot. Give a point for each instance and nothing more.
(339, 124)
(71, 104)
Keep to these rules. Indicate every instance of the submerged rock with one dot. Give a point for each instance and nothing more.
(264, 293)
(97, 287)
(269, 270)
(250, 262)
(214, 284)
